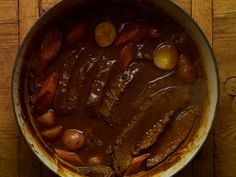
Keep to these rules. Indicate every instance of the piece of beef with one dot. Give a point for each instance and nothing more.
(65, 76)
(138, 95)
(172, 138)
(115, 90)
(122, 158)
(157, 105)
(77, 82)
(60, 100)
(151, 136)
(163, 81)
(97, 171)
(71, 79)
(99, 82)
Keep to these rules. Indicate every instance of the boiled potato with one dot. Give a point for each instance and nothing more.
(105, 34)
(53, 133)
(47, 119)
(73, 139)
(165, 57)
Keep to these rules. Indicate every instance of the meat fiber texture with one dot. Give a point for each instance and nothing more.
(160, 103)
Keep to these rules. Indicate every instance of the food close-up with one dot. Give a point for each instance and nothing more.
(115, 94)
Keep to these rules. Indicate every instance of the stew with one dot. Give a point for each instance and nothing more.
(116, 90)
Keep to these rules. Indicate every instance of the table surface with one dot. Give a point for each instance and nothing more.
(217, 19)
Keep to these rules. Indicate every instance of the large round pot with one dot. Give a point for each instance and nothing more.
(189, 148)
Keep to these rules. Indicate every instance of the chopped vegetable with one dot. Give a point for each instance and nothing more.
(186, 69)
(47, 119)
(73, 139)
(78, 31)
(53, 133)
(46, 94)
(105, 34)
(165, 57)
(134, 167)
(51, 44)
(132, 32)
(136, 31)
(50, 47)
(69, 156)
(127, 55)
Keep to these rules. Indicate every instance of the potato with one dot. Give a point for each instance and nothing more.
(52, 134)
(47, 119)
(69, 156)
(73, 139)
(165, 57)
(105, 34)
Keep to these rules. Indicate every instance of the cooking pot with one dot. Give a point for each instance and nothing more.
(188, 149)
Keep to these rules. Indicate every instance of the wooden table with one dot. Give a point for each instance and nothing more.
(217, 19)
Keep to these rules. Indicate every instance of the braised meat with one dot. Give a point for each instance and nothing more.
(176, 134)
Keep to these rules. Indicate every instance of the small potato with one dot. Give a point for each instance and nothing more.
(105, 34)
(47, 119)
(53, 133)
(165, 57)
(73, 139)
(69, 156)
(95, 160)
(186, 70)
